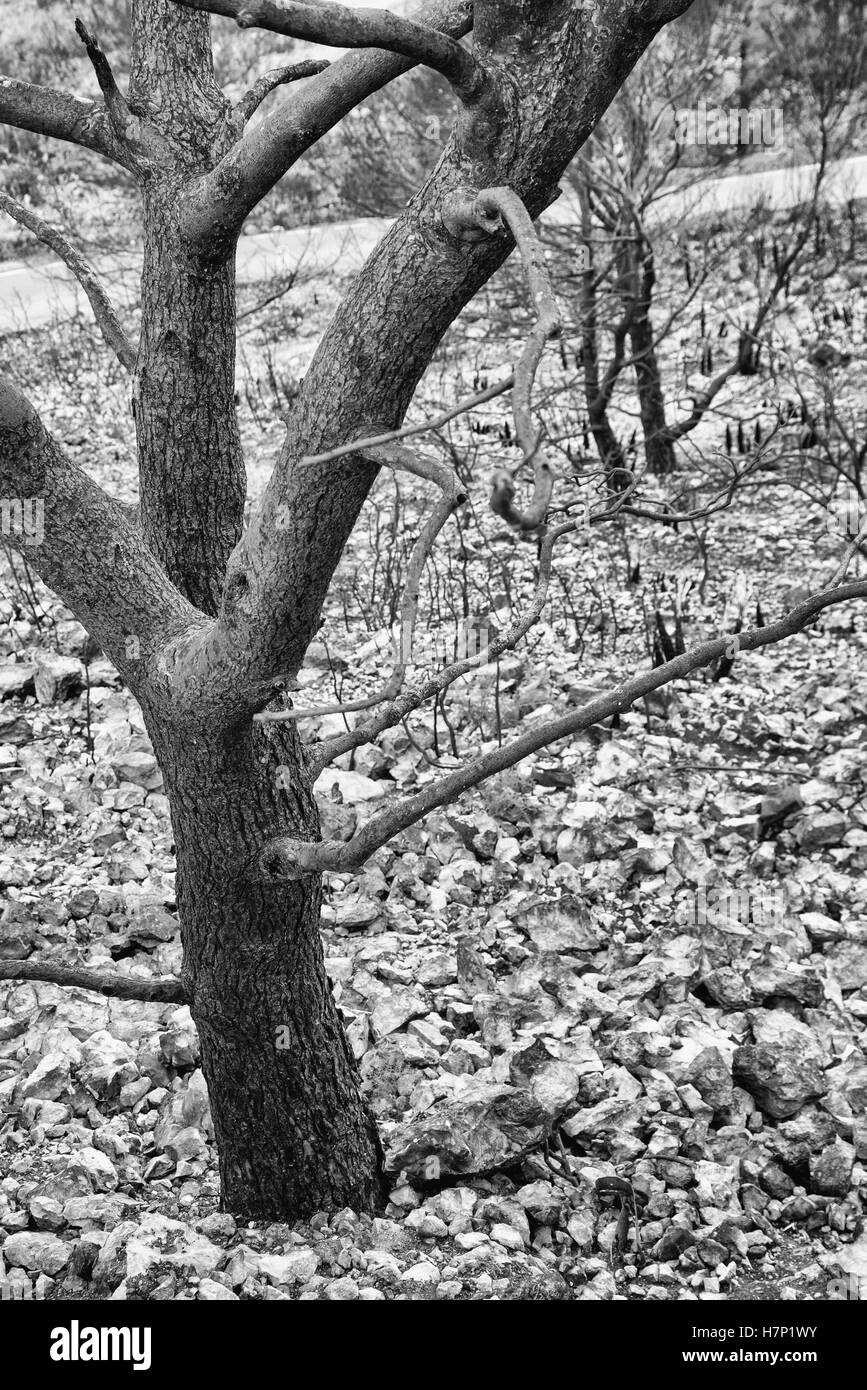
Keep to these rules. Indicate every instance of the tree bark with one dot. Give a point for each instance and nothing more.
(191, 467)
(658, 446)
(596, 395)
(292, 1131)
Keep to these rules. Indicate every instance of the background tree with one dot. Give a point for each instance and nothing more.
(209, 622)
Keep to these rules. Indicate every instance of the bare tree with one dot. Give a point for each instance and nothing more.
(633, 160)
(222, 616)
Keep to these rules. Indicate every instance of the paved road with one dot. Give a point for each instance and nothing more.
(34, 292)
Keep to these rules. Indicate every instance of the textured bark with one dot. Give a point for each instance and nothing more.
(597, 395)
(218, 205)
(658, 446)
(60, 115)
(191, 467)
(90, 555)
(292, 1132)
(115, 985)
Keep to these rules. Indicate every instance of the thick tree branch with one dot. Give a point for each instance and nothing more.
(84, 547)
(62, 116)
(103, 310)
(165, 991)
(342, 27)
(218, 205)
(285, 858)
(277, 77)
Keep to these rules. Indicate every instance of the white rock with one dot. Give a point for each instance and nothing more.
(342, 1291)
(352, 786)
(507, 1236)
(243, 1264)
(852, 1259)
(158, 1239)
(298, 1265)
(424, 1223)
(421, 1028)
(49, 1079)
(212, 1292)
(422, 1273)
(36, 1251)
(396, 1009)
(96, 1166)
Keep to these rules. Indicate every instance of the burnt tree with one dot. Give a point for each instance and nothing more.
(222, 615)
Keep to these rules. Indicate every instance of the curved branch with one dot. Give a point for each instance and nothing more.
(400, 459)
(377, 441)
(319, 757)
(164, 991)
(342, 27)
(491, 211)
(103, 310)
(284, 858)
(277, 77)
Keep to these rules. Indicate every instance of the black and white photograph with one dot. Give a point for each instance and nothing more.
(433, 678)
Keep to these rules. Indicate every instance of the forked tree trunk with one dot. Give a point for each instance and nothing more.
(292, 1131)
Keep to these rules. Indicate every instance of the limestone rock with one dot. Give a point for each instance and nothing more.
(485, 1128)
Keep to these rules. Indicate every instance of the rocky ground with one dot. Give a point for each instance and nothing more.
(595, 1077)
(610, 1010)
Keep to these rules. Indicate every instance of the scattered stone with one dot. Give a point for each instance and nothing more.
(36, 1251)
(782, 1079)
(396, 1009)
(831, 1170)
(210, 1291)
(57, 677)
(711, 1076)
(17, 679)
(487, 1127)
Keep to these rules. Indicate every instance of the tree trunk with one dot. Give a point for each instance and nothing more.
(639, 278)
(596, 395)
(191, 467)
(292, 1132)
(658, 447)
